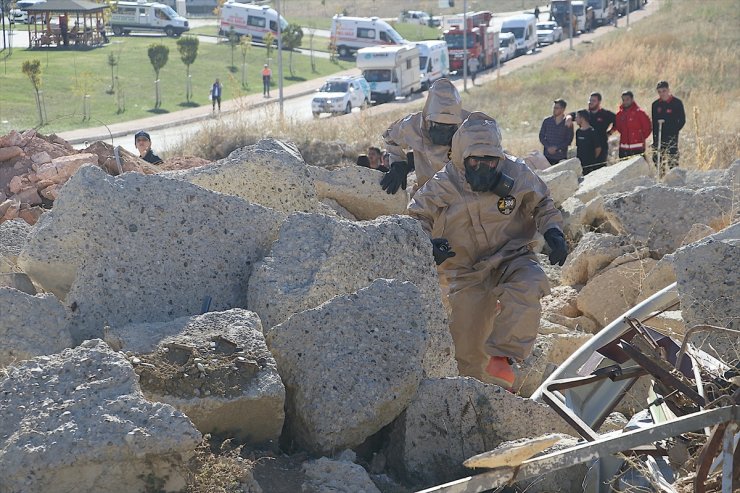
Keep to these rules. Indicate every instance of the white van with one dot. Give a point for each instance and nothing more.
(507, 47)
(434, 61)
(144, 16)
(19, 14)
(524, 29)
(349, 34)
(248, 19)
(391, 71)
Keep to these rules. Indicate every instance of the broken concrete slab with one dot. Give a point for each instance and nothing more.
(593, 253)
(142, 248)
(612, 176)
(30, 326)
(62, 168)
(614, 291)
(579, 217)
(318, 257)
(52, 404)
(708, 278)
(326, 475)
(215, 368)
(562, 185)
(270, 173)
(573, 164)
(350, 366)
(657, 278)
(13, 236)
(358, 190)
(451, 419)
(661, 216)
(514, 452)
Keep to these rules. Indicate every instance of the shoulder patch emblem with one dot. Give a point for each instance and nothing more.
(506, 205)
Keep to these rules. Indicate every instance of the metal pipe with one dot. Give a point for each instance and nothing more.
(280, 60)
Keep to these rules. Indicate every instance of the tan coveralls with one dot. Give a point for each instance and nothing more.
(443, 105)
(491, 237)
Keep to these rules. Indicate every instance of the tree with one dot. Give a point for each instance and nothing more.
(112, 63)
(292, 39)
(233, 39)
(158, 56)
(245, 45)
(32, 69)
(269, 39)
(188, 48)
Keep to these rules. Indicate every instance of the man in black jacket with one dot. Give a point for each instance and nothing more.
(143, 144)
(669, 110)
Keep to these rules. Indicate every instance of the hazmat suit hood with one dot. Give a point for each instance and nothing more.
(478, 135)
(443, 104)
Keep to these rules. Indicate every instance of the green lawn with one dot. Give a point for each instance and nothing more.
(69, 74)
(416, 32)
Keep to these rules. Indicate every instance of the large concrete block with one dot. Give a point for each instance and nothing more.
(350, 366)
(579, 217)
(318, 257)
(215, 368)
(572, 164)
(77, 421)
(13, 236)
(270, 173)
(326, 475)
(142, 248)
(549, 352)
(30, 326)
(562, 184)
(452, 419)
(708, 278)
(615, 178)
(661, 216)
(358, 190)
(593, 253)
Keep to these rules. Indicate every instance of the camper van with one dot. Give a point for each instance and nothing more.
(524, 29)
(248, 19)
(143, 16)
(391, 71)
(349, 34)
(434, 61)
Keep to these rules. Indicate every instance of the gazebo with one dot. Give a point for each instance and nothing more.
(87, 30)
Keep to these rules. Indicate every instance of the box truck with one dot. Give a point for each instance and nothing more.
(434, 61)
(391, 71)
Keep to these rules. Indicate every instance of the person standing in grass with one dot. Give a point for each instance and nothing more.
(669, 109)
(587, 143)
(266, 76)
(216, 90)
(555, 134)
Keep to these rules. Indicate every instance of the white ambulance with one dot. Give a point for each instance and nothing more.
(145, 16)
(391, 71)
(248, 19)
(434, 61)
(349, 34)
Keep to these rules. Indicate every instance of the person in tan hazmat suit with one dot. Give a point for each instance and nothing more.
(482, 211)
(427, 133)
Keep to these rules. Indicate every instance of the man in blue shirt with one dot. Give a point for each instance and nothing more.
(555, 134)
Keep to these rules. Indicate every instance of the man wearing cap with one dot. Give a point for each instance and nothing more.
(266, 76)
(427, 133)
(144, 146)
(555, 134)
(481, 212)
(669, 109)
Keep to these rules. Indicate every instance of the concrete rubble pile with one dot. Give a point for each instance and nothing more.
(296, 308)
(33, 168)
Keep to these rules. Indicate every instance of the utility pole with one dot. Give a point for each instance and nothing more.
(280, 59)
(570, 23)
(465, 45)
(629, 2)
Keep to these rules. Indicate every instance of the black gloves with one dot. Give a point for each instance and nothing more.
(441, 249)
(558, 247)
(396, 177)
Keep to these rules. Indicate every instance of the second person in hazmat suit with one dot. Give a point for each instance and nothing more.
(427, 133)
(482, 211)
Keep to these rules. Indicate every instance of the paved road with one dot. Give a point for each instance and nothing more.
(170, 130)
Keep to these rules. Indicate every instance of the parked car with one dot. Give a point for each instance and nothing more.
(19, 14)
(549, 32)
(507, 47)
(340, 94)
(414, 17)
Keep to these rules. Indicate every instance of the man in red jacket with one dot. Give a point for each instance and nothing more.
(633, 125)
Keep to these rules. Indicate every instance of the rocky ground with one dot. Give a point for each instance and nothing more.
(294, 311)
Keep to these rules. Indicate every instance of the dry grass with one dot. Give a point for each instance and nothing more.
(691, 44)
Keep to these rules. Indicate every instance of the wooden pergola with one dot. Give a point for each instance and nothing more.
(80, 24)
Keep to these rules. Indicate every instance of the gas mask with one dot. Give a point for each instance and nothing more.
(441, 133)
(483, 177)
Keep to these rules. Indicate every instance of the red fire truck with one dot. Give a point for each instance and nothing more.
(482, 40)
